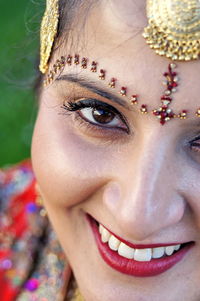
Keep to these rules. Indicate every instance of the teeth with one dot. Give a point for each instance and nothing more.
(125, 251)
(105, 235)
(113, 243)
(169, 250)
(100, 228)
(176, 248)
(158, 252)
(142, 254)
(136, 254)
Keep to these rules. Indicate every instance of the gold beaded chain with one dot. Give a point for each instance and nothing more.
(163, 113)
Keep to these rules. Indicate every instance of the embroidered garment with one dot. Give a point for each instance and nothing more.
(33, 266)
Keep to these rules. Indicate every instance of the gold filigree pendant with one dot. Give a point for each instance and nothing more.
(48, 32)
(174, 28)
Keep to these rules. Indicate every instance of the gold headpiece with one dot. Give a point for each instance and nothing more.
(174, 28)
(48, 32)
(173, 31)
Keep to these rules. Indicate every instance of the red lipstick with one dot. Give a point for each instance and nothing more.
(131, 266)
(142, 246)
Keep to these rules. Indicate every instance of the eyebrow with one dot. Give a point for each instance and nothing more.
(94, 87)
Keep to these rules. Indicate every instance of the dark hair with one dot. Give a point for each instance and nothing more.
(67, 13)
(72, 15)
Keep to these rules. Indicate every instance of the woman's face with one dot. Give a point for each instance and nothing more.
(102, 160)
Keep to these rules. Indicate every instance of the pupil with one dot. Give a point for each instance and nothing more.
(102, 116)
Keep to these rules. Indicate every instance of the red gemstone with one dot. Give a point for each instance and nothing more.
(102, 74)
(143, 109)
(163, 114)
(112, 83)
(94, 66)
(162, 121)
(134, 99)
(84, 63)
(166, 74)
(171, 115)
(174, 84)
(76, 59)
(165, 97)
(69, 59)
(62, 59)
(123, 91)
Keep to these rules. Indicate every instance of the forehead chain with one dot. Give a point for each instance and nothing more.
(163, 113)
(173, 31)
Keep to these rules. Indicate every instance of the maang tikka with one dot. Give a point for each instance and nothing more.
(48, 32)
(173, 31)
(174, 28)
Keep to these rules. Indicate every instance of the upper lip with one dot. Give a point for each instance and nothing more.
(145, 246)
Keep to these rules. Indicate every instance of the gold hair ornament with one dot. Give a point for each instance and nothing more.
(174, 28)
(48, 32)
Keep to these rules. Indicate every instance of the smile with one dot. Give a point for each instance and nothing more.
(137, 260)
(145, 254)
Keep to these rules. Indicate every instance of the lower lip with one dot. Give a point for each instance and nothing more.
(131, 266)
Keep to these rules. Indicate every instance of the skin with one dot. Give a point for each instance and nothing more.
(142, 185)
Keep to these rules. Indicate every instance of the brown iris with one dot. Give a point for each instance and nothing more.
(103, 116)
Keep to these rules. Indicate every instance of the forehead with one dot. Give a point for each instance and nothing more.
(116, 43)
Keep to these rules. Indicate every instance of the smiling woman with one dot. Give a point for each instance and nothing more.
(109, 205)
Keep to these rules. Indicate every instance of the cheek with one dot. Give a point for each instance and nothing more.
(68, 168)
(191, 192)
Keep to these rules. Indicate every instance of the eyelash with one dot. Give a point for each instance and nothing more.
(195, 145)
(77, 106)
(87, 103)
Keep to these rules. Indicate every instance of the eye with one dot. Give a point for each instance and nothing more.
(97, 113)
(195, 144)
(100, 116)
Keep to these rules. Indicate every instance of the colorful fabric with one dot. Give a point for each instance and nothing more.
(33, 266)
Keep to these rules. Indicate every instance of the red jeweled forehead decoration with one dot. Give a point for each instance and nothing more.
(164, 113)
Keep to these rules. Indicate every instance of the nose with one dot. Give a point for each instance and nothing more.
(145, 198)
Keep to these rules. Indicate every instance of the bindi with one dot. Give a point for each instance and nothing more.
(164, 113)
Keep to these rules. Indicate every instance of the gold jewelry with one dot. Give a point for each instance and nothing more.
(48, 32)
(174, 28)
(73, 292)
(164, 112)
(39, 201)
(77, 296)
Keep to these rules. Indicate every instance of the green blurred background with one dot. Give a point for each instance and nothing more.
(19, 34)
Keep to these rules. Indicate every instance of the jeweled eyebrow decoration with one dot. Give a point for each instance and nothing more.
(164, 113)
(93, 87)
